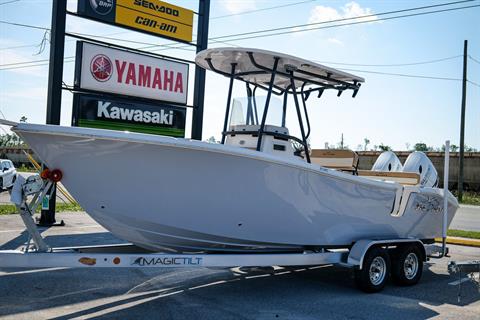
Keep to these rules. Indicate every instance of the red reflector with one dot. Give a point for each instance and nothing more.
(56, 175)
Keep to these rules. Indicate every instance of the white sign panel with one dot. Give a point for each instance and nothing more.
(121, 72)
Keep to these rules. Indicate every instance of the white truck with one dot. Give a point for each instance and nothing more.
(8, 174)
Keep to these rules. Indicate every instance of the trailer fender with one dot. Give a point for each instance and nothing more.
(360, 248)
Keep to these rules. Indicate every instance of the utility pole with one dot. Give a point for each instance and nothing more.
(199, 87)
(462, 121)
(54, 93)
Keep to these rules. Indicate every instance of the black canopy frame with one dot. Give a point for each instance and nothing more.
(315, 82)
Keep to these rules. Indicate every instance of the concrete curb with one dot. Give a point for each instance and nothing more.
(461, 241)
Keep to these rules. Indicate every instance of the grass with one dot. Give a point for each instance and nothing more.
(471, 198)
(24, 168)
(61, 207)
(463, 234)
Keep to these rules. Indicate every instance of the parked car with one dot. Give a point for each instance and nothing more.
(8, 174)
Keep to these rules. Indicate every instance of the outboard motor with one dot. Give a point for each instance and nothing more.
(418, 162)
(387, 161)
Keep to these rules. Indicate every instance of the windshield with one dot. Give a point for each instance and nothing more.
(249, 111)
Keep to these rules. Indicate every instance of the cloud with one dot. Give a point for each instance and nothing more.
(9, 57)
(238, 6)
(349, 10)
(33, 93)
(335, 41)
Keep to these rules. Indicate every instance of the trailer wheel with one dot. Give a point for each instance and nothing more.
(407, 265)
(375, 270)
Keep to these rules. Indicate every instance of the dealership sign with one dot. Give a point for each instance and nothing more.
(105, 69)
(120, 114)
(151, 16)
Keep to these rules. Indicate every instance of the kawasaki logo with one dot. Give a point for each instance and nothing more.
(105, 110)
(190, 261)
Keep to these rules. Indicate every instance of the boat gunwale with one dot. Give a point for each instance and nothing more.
(200, 146)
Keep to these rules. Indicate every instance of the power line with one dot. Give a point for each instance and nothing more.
(474, 83)
(393, 64)
(7, 2)
(173, 46)
(23, 25)
(262, 9)
(341, 25)
(347, 19)
(232, 36)
(402, 75)
(473, 59)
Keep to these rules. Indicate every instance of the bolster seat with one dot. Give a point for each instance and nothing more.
(345, 160)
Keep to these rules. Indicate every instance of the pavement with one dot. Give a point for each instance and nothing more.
(467, 218)
(326, 292)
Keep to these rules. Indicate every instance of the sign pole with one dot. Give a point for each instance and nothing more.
(54, 93)
(199, 87)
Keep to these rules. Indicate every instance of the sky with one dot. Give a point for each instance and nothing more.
(392, 110)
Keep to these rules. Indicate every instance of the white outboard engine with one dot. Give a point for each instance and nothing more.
(387, 161)
(418, 162)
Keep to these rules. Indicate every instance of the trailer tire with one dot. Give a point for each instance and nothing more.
(407, 266)
(375, 271)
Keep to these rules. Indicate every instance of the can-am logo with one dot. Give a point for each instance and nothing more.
(176, 261)
(101, 67)
(106, 110)
(102, 7)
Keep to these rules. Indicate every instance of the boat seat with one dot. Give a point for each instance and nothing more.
(405, 178)
(344, 160)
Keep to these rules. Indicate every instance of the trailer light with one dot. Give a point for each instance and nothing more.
(116, 260)
(45, 174)
(56, 175)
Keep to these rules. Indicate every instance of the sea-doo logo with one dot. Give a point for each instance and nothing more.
(101, 67)
(102, 7)
(106, 110)
(167, 261)
(156, 7)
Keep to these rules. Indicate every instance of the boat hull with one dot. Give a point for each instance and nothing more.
(163, 193)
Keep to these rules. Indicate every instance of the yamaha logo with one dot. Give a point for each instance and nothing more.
(101, 67)
(102, 7)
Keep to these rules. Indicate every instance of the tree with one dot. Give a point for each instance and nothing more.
(366, 142)
(10, 140)
(420, 146)
(453, 148)
(23, 119)
(383, 147)
(407, 145)
(212, 140)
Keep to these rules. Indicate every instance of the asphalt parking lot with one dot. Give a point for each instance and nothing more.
(202, 293)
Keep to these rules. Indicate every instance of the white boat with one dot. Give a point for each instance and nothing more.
(256, 191)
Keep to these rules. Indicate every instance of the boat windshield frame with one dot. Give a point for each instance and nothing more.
(315, 83)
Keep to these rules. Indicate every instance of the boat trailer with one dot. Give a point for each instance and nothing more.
(28, 193)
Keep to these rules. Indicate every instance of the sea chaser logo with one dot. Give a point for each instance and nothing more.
(106, 110)
(167, 261)
(102, 7)
(101, 67)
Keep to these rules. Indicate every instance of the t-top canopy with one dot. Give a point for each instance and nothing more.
(255, 66)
